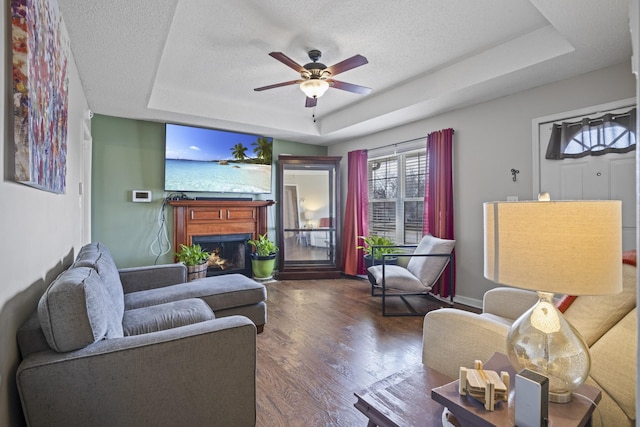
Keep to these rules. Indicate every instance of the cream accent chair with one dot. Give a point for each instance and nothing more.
(453, 338)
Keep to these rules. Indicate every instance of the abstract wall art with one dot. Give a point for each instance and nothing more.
(40, 48)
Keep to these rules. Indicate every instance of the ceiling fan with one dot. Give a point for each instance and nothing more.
(315, 77)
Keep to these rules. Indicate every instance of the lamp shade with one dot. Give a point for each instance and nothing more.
(566, 247)
(314, 88)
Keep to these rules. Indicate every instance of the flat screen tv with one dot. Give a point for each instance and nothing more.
(210, 160)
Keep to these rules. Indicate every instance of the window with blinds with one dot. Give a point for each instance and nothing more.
(413, 201)
(396, 196)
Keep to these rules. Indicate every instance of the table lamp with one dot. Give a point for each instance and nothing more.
(308, 215)
(564, 247)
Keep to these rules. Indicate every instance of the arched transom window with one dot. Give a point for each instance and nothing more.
(610, 133)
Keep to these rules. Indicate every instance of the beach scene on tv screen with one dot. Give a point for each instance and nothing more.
(209, 160)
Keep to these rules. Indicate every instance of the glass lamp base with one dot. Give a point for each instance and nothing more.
(543, 341)
(564, 397)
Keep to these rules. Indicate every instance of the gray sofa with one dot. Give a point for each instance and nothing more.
(139, 346)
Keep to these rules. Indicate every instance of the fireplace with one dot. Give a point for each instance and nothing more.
(230, 253)
(216, 224)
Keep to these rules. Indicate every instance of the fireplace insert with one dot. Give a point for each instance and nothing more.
(229, 253)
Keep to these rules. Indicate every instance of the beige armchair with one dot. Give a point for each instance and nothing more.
(453, 338)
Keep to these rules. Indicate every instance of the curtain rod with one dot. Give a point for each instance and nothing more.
(582, 116)
(598, 119)
(395, 144)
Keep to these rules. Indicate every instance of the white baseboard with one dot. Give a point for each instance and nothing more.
(468, 301)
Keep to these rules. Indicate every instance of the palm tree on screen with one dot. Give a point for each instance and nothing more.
(239, 151)
(263, 149)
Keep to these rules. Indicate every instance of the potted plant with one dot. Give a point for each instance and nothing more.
(263, 259)
(195, 258)
(383, 246)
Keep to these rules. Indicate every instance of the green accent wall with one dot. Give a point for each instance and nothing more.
(297, 149)
(129, 155)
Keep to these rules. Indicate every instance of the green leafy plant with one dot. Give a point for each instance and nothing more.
(377, 241)
(264, 246)
(192, 255)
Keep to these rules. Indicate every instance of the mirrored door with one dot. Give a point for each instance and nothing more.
(309, 220)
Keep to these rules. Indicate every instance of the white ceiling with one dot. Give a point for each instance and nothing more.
(198, 61)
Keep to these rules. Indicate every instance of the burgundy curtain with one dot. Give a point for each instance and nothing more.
(356, 217)
(438, 199)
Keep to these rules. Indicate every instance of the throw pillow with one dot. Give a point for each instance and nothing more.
(102, 262)
(76, 311)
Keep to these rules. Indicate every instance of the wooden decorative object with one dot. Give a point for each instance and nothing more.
(485, 386)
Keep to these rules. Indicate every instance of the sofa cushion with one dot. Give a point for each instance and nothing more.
(593, 316)
(76, 311)
(30, 337)
(613, 366)
(141, 278)
(165, 316)
(95, 246)
(96, 256)
(220, 292)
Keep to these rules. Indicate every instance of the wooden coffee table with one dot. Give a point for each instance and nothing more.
(403, 399)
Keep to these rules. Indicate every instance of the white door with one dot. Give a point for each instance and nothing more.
(607, 177)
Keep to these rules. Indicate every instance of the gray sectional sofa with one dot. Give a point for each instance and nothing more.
(139, 346)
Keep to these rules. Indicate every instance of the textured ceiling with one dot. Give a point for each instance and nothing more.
(198, 61)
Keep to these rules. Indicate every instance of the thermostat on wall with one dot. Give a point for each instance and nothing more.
(140, 195)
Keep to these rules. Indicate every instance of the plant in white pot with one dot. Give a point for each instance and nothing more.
(195, 258)
(263, 259)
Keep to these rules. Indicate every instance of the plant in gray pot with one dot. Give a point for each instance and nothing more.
(195, 258)
(382, 246)
(263, 259)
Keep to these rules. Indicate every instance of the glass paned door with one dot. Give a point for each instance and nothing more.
(309, 220)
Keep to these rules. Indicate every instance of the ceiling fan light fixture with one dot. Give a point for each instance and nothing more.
(314, 88)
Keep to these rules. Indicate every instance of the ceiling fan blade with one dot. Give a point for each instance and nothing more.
(350, 87)
(311, 102)
(347, 64)
(291, 82)
(287, 61)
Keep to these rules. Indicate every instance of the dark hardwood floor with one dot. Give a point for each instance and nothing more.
(323, 341)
